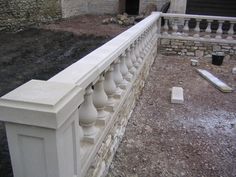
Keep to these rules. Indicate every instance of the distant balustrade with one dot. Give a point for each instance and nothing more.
(199, 27)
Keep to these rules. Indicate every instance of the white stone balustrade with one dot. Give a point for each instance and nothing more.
(100, 101)
(172, 29)
(110, 88)
(42, 124)
(56, 127)
(124, 69)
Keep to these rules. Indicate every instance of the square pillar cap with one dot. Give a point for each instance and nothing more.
(41, 103)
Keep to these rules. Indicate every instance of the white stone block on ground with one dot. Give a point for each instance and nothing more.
(234, 70)
(177, 95)
(194, 62)
(215, 81)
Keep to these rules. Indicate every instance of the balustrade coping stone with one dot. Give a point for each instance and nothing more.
(207, 17)
(41, 103)
(87, 69)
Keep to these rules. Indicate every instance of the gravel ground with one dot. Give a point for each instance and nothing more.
(194, 139)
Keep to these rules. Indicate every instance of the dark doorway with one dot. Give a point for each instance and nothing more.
(212, 7)
(132, 7)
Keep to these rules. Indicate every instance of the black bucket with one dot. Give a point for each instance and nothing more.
(217, 58)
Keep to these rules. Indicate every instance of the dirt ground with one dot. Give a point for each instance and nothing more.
(42, 53)
(89, 25)
(194, 139)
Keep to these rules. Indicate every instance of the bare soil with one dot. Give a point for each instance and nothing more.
(89, 25)
(195, 139)
(42, 53)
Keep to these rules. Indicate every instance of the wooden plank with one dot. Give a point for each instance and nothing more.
(215, 81)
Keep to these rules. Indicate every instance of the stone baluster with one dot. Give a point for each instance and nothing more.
(186, 27)
(231, 31)
(197, 28)
(175, 26)
(219, 31)
(129, 62)
(88, 116)
(100, 101)
(146, 43)
(166, 27)
(153, 32)
(110, 89)
(137, 51)
(133, 56)
(208, 29)
(124, 69)
(153, 37)
(118, 78)
(149, 38)
(115, 75)
(141, 47)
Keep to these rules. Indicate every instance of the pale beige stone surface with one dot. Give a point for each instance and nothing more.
(177, 95)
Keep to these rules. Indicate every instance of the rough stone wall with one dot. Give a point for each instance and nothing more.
(143, 4)
(19, 13)
(103, 6)
(73, 7)
(102, 161)
(194, 48)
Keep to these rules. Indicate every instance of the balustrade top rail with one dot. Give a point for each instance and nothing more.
(89, 67)
(207, 17)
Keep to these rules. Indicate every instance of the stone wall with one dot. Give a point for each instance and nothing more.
(144, 3)
(103, 6)
(71, 8)
(103, 159)
(15, 14)
(194, 48)
(77, 7)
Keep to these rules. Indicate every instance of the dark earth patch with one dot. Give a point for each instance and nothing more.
(36, 54)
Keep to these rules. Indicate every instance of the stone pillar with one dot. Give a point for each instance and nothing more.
(42, 128)
(178, 6)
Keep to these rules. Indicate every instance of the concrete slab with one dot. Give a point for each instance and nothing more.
(215, 81)
(177, 95)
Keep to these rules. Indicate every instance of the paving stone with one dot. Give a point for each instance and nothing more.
(234, 70)
(177, 95)
(194, 62)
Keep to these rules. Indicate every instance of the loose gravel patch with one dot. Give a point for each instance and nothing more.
(172, 140)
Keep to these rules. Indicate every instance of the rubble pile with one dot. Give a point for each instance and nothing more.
(123, 19)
